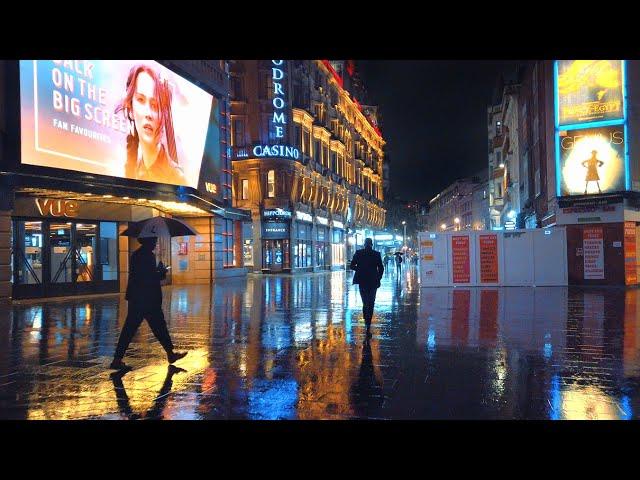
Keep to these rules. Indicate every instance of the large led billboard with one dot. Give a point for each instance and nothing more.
(589, 91)
(592, 160)
(131, 119)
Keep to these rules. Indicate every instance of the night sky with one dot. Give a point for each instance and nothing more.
(434, 118)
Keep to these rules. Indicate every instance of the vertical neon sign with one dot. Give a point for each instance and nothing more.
(279, 120)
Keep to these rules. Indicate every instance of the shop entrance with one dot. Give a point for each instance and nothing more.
(275, 255)
(55, 257)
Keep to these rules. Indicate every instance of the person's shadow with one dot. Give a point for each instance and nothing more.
(367, 393)
(155, 412)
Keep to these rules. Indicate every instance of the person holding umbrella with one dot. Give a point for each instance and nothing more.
(144, 293)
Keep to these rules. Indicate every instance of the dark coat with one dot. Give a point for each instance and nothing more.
(368, 266)
(144, 279)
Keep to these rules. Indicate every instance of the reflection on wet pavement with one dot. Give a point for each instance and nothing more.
(293, 347)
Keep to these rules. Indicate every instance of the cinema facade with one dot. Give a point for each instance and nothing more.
(67, 189)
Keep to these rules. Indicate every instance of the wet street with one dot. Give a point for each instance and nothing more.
(292, 347)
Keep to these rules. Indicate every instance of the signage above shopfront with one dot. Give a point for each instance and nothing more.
(276, 214)
(304, 217)
(337, 224)
(273, 230)
(57, 207)
(322, 220)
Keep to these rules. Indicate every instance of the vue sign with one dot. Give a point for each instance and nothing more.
(57, 207)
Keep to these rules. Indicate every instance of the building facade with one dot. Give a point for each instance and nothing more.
(463, 205)
(90, 146)
(504, 158)
(307, 162)
(480, 203)
(521, 149)
(536, 140)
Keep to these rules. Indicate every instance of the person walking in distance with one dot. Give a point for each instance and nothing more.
(399, 263)
(367, 264)
(145, 301)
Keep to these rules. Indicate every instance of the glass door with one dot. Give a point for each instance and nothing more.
(58, 258)
(28, 258)
(85, 256)
(60, 253)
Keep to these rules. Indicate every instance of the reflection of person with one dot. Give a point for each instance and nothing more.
(592, 170)
(151, 143)
(159, 403)
(367, 263)
(367, 390)
(145, 301)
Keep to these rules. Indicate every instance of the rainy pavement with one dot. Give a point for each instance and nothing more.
(292, 347)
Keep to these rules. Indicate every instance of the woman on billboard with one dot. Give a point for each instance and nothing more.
(592, 170)
(151, 143)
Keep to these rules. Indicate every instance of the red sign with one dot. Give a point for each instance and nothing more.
(630, 271)
(593, 253)
(183, 248)
(488, 258)
(460, 259)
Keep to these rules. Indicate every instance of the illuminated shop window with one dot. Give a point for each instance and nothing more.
(245, 189)
(271, 184)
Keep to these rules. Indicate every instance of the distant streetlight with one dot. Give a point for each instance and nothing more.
(501, 165)
(457, 222)
(443, 226)
(404, 237)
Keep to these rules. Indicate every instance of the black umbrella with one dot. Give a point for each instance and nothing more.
(158, 227)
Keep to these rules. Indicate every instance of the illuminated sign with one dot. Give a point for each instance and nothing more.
(278, 120)
(304, 216)
(589, 91)
(591, 125)
(337, 224)
(591, 160)
(57, 208)
(285, 151)
(277, 213)
(133, 119)
(211, 187)
(322, 220)
(275, 230)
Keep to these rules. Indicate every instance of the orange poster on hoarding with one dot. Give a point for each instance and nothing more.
(630, 271)
(427, 250)
(460, 259)
(593, 253)
(488, 258)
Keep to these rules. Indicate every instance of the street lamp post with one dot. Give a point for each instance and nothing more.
(457, 222)
(404, 237)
